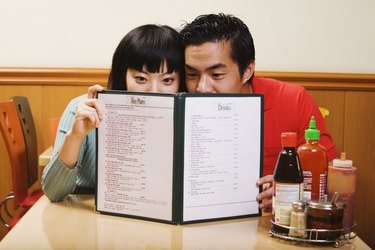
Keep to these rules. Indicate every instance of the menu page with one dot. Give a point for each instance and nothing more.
(222, 156)
(135, 155)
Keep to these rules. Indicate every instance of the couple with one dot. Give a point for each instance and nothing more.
(213, 54)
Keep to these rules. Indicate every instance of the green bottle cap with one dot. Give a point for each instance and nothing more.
(312, 133)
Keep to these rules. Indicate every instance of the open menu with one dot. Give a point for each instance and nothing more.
(179, 158)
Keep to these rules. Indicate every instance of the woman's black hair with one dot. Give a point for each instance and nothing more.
(148, 45)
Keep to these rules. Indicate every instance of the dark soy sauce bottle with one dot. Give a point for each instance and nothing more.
(287, 183)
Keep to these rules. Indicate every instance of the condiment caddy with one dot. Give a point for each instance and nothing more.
(319, 222)
(316, 222)
(300, 210)
(312, 235)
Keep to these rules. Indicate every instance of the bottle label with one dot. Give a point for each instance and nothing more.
(284, 195)
(314, 189)
(322, 185)
(307, 184)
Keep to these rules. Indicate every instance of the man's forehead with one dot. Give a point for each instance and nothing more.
(208, 56)
(212, 45)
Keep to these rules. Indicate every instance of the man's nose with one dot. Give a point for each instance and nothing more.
(204, 85)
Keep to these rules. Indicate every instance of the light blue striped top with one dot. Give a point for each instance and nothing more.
(58, 180)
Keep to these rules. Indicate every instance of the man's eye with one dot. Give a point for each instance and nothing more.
(191, 75)
(218, 75)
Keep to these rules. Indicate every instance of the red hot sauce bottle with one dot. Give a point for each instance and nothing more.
(314, 162)
(287, 182)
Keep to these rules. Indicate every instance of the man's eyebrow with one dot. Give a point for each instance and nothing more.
(188, 67)
(215, 66)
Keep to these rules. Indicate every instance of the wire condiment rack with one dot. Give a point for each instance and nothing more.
(345, 235)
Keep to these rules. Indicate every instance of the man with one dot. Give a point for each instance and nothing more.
(220, 58)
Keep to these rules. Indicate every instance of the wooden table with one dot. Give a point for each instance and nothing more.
(74, 224)
(43, 160)
(45, 157)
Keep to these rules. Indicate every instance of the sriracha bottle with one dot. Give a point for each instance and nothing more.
(314, 162)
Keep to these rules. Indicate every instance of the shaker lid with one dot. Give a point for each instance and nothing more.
(325, 205)
(298, 205)
(342, 162)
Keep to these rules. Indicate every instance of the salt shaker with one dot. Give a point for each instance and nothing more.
(298, 220)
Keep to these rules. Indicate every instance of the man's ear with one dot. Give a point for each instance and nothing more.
(248, 73)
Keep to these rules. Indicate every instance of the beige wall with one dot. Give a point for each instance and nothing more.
(290, 35)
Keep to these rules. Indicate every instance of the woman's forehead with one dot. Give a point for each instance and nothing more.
(163, 68)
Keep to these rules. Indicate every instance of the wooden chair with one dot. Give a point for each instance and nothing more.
(29, 134)
(11, 130)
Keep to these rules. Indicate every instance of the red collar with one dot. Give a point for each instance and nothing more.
(259, 86)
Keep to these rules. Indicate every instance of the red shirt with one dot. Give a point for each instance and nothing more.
(287, 108)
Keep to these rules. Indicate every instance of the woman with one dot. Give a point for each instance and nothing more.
(149, 58)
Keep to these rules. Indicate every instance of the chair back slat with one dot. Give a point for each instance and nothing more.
(13, 137)
(29, 133)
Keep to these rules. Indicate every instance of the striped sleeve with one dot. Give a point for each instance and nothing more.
(58, 180)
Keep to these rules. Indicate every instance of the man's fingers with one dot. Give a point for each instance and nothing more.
(265, 179)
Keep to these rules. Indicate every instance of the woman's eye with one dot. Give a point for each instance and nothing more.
(140, 79)
(169, 80)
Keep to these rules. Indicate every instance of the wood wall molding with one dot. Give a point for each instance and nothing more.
(90, 76)
(53, 76)
(325, 81)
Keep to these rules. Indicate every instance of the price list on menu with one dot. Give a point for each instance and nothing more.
(217, 161)
(131, 147)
